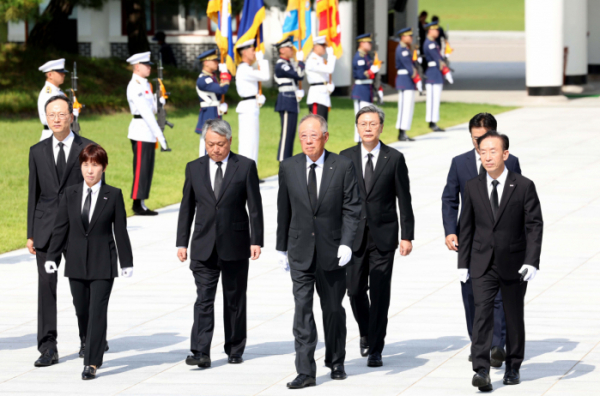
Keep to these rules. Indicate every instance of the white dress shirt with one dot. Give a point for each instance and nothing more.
(95, 191)
(212, 169)
(502, 181)
(318, 170)
(68, 143)
(365, 156)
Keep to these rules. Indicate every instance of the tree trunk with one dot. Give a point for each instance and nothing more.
(137, 37)
(54, 28)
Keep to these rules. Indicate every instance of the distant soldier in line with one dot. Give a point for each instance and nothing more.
(363, 72)
(144, 131)
(210, 90)
(287, 76)
(318, 73)
(422, 33)
(168, 57)
(407, 80)
(55, 76)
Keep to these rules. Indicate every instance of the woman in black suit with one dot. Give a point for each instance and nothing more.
(87, 215)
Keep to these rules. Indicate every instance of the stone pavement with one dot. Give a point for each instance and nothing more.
(150, 315)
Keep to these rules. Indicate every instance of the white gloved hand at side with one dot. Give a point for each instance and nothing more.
(531, 272)
(282, 260)
(299, 56)
(344, 254)
(299, 94)
(463, 275)
(223, 68)
(50, 267)
(76, 112)
(380, 94)
(162, 101)
(223, 107)
(420, 86)
(260, 56)
(127, 272)
(374, 69)
(261, 99)
(330, 88)
(329, 52)
(449, 77)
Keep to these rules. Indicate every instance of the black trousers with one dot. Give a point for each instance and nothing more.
(90, 298)
(47, 323)
(331, 287)
(316, 108)
(143, 168)
(485, 290)
(371, 273)
(235, 283)
(499, 338)
(288, 134)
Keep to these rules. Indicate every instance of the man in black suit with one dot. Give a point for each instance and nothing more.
(466, 167)
(318, 210)
(382, 178)
(501, 230)
(53, 166)
(217, 188)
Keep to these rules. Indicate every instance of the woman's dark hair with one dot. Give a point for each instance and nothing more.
(495, 134)
(483, 120)
(94, 153)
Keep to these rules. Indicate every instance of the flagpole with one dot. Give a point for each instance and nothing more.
(300, 41)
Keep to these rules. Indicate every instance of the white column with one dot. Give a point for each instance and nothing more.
(412, 15)
(544, 46)
(593, 15)
(381, 31)
(576, 26)
(343, 67)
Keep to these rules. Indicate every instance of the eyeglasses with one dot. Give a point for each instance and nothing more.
(61, 116)
(312, 136)
(373, 125)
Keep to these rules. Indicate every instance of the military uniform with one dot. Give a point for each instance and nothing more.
(436, 70)
(248, 109)
(407, 80)
(49, 91)
(318, 73)
(363, 72)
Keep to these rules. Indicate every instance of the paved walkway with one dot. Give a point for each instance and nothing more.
(150, 315)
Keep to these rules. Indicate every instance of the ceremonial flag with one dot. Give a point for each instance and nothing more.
(253, 15)
(328, 15)
(219, 11)
(298, 24)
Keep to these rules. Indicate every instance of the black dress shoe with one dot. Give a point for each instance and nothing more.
(403, 137)
(48, 358)
(302, 381)
(338, 372)
(512, 377)
(435, 128)
(364, 346)
(375, 360)
(89, 373)
(235, 359)
(261, 181)
(482, 381)
(198, 359)
(497, 357)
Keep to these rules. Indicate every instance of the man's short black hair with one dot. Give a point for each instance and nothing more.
(60, 97)
(495, 134)
(435, 18)
(423, 13)
(483, 120)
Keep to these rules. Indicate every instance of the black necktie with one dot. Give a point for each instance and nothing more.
(218, 179)
(369, 173)
(481, 170)
(494, 198)
(312, 187)
(85, 212)
(61, 161)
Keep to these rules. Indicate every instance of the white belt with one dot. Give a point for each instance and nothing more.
(211, 103)
(431, 64)
(287, 88)
(402, 72)
(363, 82)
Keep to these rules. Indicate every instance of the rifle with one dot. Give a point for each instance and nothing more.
(76, 105)
(161, 92)
(419, 68)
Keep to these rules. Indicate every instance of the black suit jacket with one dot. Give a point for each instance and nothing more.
(379, 204)
(45, 189)
(514, 239)
(223, 221)
(301, 232)
(92, 254)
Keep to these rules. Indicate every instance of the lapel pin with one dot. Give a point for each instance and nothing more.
(331, 167)
(105, 198)
(512, 185)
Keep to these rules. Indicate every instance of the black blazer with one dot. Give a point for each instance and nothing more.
(223, 221)
(300, 231)
(92, 255)
(45, 190)
(514, 239)
(379, 205)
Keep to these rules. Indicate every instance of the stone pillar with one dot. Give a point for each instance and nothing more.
(342, 78)
(593, 47)
(576, 28)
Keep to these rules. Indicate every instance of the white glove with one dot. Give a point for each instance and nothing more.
(282, 260)
(420, 86)
(223, 68)
(50, 267)
(76, 112)
(531, 271)
(299, 94)
(127, 272)
(300, 56)
(162, 101)
(449, 77)
(420, 59)
(329, 52)
(344, 254)
(163, 144)
(260, 56)
(374, 69)
(261, 99)
(330, 88)
(380, 94)
(223, 107)
(463, 275)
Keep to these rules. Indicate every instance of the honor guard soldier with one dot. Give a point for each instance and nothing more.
(210, 90)
(55, 76)
(435, 73)
(287, 75)
(248, 109)
(318, 73)
(407, 80)
(144, 131)
(363, 72)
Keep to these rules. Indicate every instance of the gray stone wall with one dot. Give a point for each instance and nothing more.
(184, 53)
(84, 49)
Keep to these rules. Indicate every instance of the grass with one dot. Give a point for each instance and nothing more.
(477, 14)
(111, 132)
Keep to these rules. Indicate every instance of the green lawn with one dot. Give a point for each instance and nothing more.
(111, 132)
(477, 14)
